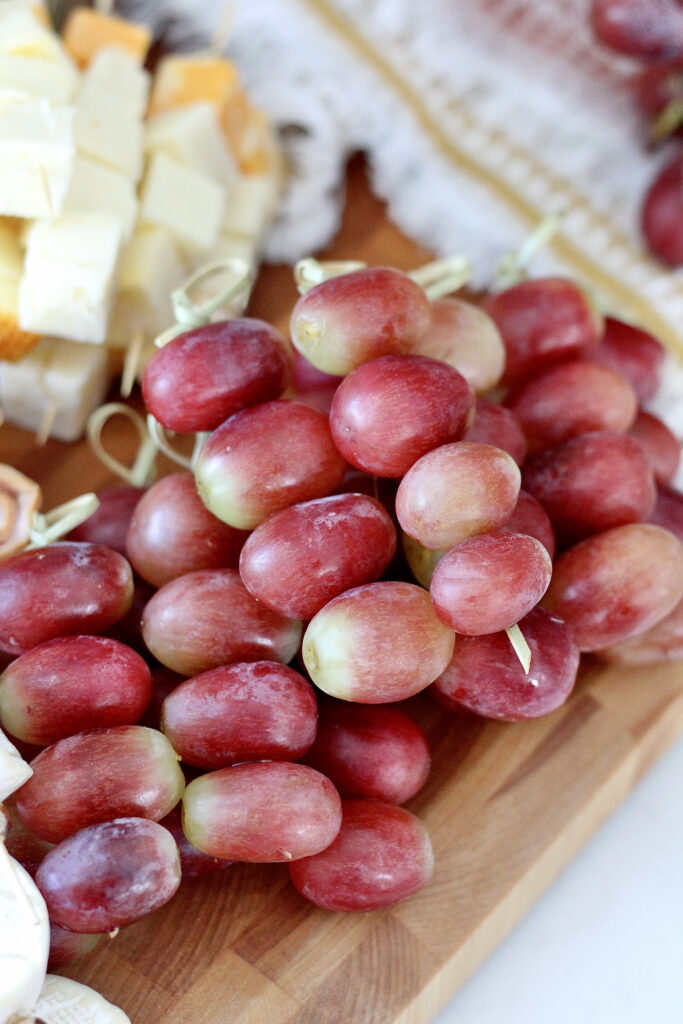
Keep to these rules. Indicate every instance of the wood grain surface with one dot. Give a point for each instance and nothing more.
(507, 807)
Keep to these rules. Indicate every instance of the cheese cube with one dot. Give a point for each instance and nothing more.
(192, 136)
(36, 156)
(189, 204)
(94, 186)
(24, 33)
(37, 8)
(59, 382)
(180, 80)
(104, 131)
(114, 73)
(256, 149)
(70, 276)
(87, 32)
(14, 342)
(11, 256)
(250, 207)
(56, 80)
(151, 267)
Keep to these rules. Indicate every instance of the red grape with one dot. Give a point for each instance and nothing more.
(486, 677)
(572, 399)
(662, 448)
(657, 85)
(266, 458)
(61, 589)
(67, 946)
(208, 618)
(456, 491)
(617, 584)
(663, 642)
(164, 681)
(368, 750)
(255, 711)
(662, 213)
(109, 875)
(381, 855)
(377, 643)
(98, 775)
(193, 863)
(592, 483)
(487, 583)
(22, 843)
(203, 376)
(466, 338)
(264, 811)
(544, 321)
(347, 320)
(172, 532)
(668, 510)
(634, 353)
(495, 425)
(306, 379)
(108, 524)
(303, 556)
(639, 28)
(529, 516)
(73, 683)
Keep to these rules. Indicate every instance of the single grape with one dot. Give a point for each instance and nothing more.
(305, 555)
(661, 217)
(662, 643)
(544, 321)
(347, 320)
(193, 863)
(109, 875)
(381, 855)
(495, 425)
(254, 711)
(592, 483)
(100, 774)
(61, 589)
(487, 583)
(367, 750)
(661, 446)
(67, 947)
(172, 532)
(668, 510)
(266, 458)
(73, 683)
(651, 29)
(208, 618)
(634, 353)
(264, 811)
(108, 524)
(376, 643)
(485, 675)
(572, 399)
(464, 336)
(390, 411)
(617, 584)
(205, 375)
(456, 491)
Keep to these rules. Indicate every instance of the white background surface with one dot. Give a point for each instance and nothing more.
(604, 945)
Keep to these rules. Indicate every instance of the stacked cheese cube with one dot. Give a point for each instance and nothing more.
(110, 194)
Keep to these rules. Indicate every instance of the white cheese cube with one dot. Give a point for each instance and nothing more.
(104, 130)
(188, 204)
(59, 381)
(193, 137)
(94, 186)
(56, 80)
(151, 267)
(24, 34)
(116, 73)
(251, 205)
(70, 276)
(36, 156)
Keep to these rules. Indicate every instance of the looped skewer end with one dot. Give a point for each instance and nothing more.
(442, 277)
(513, 267)
(190, 314)
(47, 528)
(309, 272)
(142, 472)
(160, 437)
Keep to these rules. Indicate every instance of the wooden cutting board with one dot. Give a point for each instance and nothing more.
(507, 807)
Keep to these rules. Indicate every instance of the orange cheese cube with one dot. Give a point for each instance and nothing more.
(256, 149)
(87, 31)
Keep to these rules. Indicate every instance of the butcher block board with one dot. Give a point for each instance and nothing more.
(507, 807)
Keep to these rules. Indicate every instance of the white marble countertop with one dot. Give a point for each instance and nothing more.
(605, 942)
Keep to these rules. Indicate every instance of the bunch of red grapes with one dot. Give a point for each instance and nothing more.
(336, 551)
(652, 31)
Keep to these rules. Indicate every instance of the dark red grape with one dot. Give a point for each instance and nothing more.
(634, 353)
(108, 524)
(495, 425)
(668, 510)
(662, 213)
(662, 643)
(530, 517)
(193, 863)
(639, 28)
(67, 946)
(662, 448)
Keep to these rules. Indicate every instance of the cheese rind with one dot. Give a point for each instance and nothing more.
(70, 275)
(36, 155)
(188, 204)
(86, 32)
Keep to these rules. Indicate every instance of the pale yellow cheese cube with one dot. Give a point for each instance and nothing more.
(23, 32)
(190, 205)
(192, 136)
(251, 206)
(94, 186)
(70, 276)
(55, 80)
(114, 74)
(87, 32)
(105, 131)
(36, 155)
